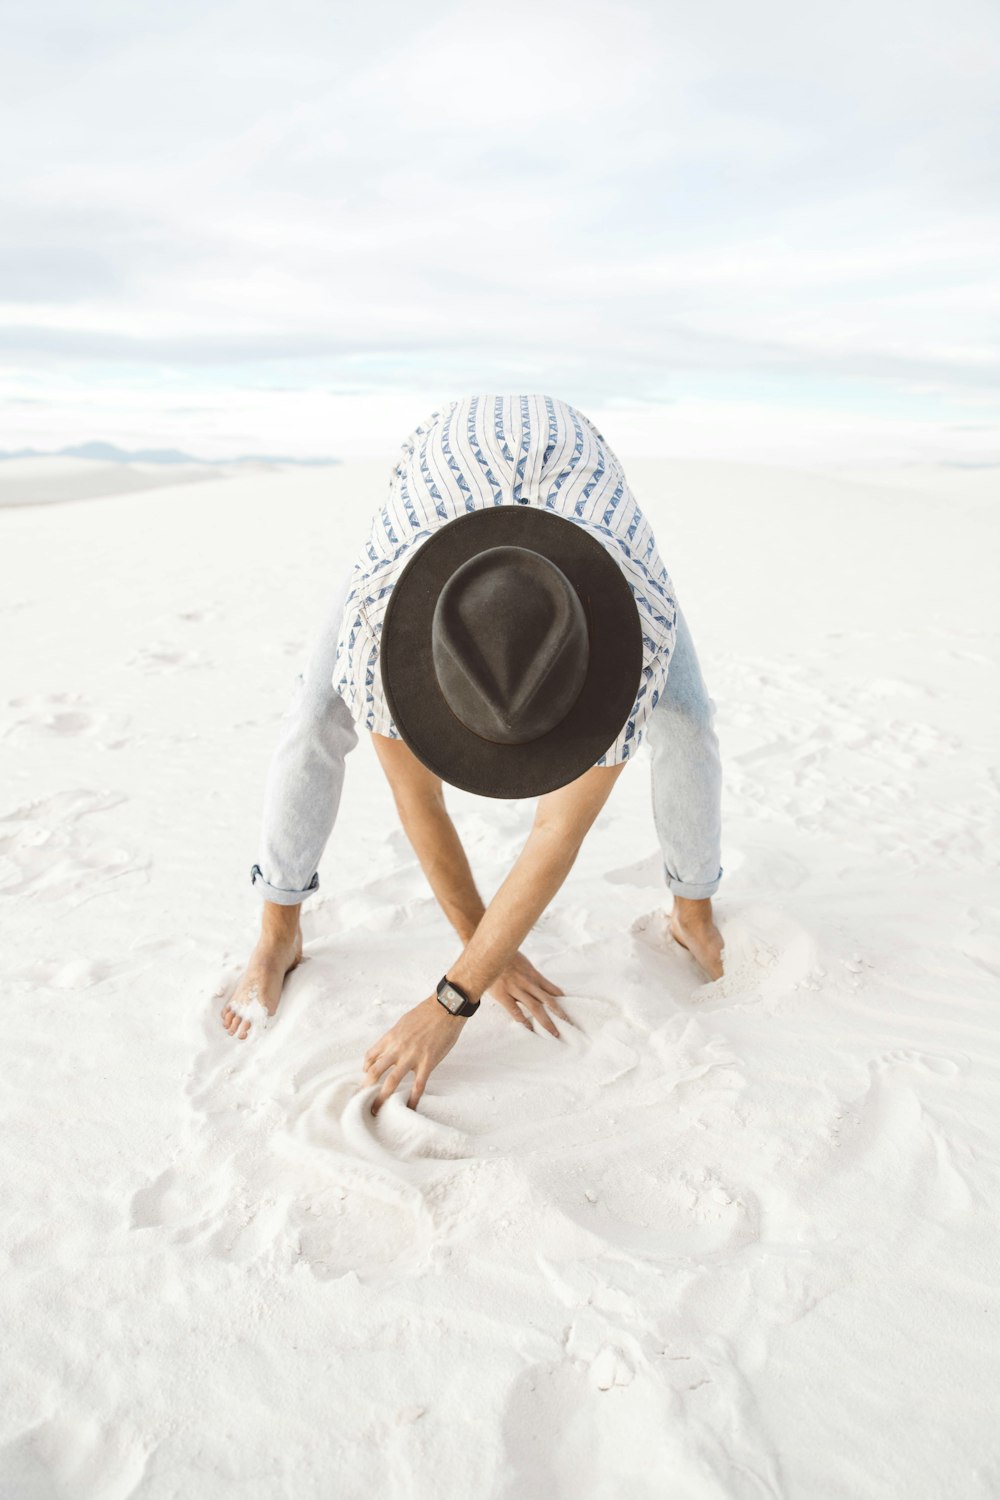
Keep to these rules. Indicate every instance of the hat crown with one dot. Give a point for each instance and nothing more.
(509, 644)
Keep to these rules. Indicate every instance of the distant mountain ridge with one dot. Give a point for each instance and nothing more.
(109, 453)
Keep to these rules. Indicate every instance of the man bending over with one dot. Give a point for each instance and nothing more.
(509, 629)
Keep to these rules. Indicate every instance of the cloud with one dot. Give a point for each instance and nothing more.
(617, 194)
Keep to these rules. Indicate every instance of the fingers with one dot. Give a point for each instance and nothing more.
(418, 1041)
(389, 1085)
(537, 1000)
(546, 991)
(376, 1060)
(380, 1061)
(534, 994)
(416, 1093)
(375, 1051)
(521, 1000)
(519, 995)
(556, 1010)
(541, 1016)
(515, 1012)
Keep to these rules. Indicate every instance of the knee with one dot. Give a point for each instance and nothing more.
(687, 728)
(318, 713)
(681, 718)
(330, 711)
(344, 727)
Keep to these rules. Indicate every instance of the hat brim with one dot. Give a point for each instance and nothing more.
(420, 710)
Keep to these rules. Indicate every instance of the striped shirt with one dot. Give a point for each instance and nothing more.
(503, 450)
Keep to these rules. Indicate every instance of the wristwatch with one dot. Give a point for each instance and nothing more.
(454, 998)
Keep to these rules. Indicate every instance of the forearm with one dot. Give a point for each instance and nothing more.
(537, 874)
(443, 860)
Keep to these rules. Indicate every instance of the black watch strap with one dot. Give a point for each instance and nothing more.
(454, 998)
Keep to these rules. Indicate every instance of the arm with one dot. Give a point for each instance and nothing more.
(419, 798)
(562, 822)
(425, 1034)
(525, 994)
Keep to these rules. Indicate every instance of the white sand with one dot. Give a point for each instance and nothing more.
(730, 1240)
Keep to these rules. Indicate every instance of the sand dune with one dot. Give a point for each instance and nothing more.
(54, 481)
(718, 1240)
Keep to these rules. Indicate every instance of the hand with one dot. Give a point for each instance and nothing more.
(419, 1040)
(521, 984)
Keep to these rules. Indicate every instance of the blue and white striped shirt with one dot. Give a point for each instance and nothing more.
(502, 450)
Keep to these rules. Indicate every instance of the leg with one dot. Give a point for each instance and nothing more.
(306, 775)
(686, 783)
(301, 799)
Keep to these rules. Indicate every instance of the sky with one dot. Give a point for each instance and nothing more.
(766, 231)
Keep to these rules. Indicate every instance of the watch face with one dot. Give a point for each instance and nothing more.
(452, 999)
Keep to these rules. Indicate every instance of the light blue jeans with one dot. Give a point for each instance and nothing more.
(306, 775)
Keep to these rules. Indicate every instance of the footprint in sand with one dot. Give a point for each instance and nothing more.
(657, 1213)
(47, 854)
(166, 658)
(64, 716)
(193, 616)
(889, 1136)
(81, 973)
(559, 1396)
(602, 1386)
(922, 1064)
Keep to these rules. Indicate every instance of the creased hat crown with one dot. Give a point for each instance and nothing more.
(509, 644)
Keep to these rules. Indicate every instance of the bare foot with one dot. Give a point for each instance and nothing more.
(261, 983)
(691, 924)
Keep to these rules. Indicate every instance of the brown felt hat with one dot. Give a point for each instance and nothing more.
(511, 651)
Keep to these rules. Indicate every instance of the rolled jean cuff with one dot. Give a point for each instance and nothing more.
(276, 893)
(690, 891)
